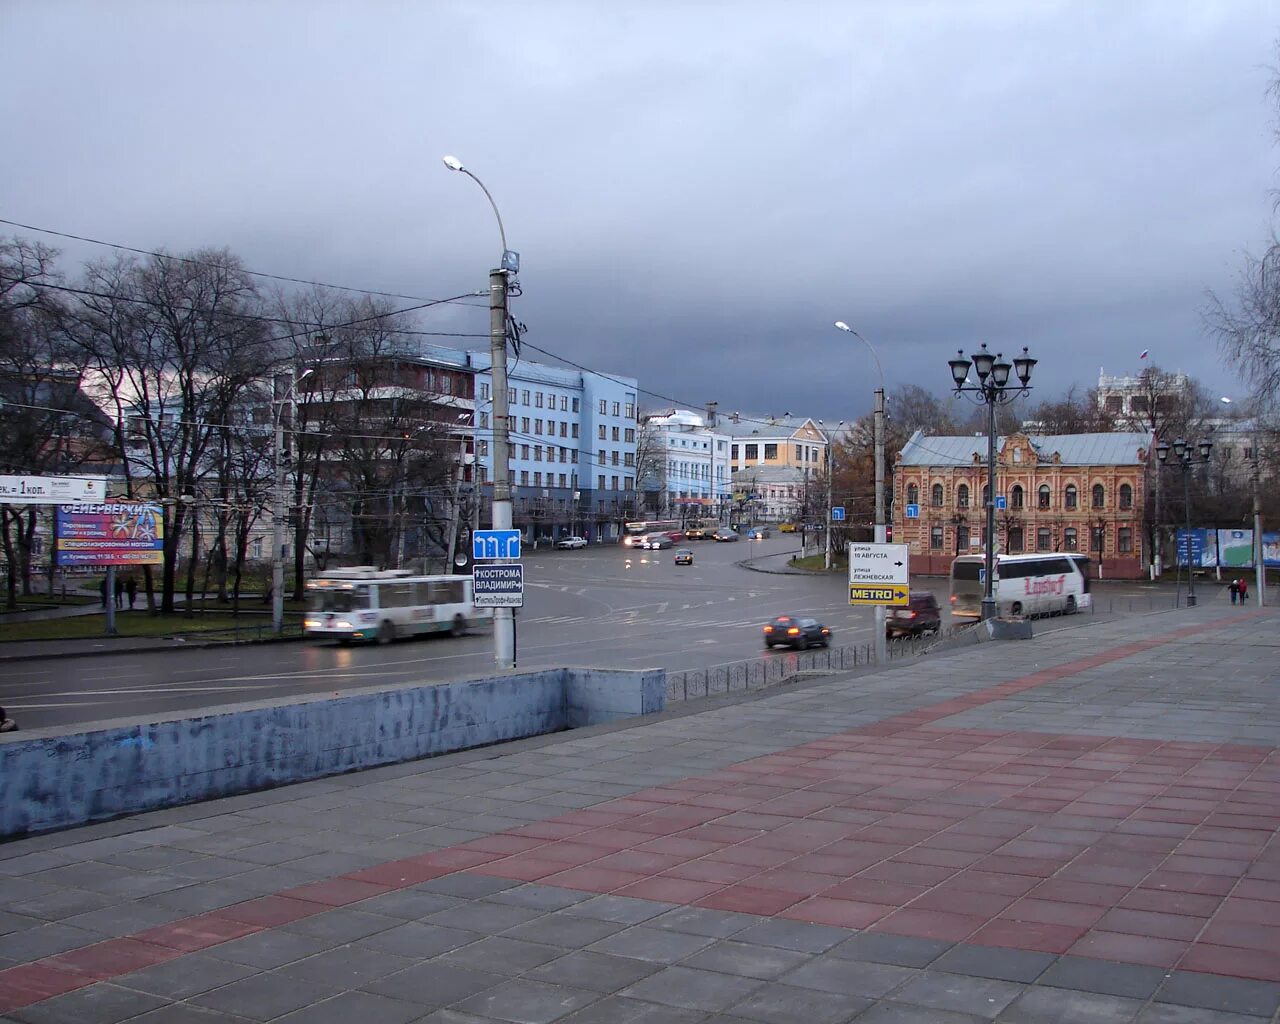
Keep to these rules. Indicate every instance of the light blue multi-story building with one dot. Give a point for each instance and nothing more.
(573, 447)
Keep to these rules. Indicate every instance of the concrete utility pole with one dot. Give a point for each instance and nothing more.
(503, 618)
(1259, 558)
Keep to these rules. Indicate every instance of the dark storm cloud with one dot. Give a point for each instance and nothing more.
(697, 191)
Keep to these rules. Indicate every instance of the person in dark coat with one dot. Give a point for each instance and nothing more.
(119, 592)
(102, 589)
(1233, 588)
(131, 588)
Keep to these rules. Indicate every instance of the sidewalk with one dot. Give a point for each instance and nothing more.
(1081, 827)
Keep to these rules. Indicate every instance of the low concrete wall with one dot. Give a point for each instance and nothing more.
(52, 778)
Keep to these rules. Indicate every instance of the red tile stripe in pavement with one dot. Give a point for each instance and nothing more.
(1137, 851)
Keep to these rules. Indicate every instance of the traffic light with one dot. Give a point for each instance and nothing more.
(888, 532)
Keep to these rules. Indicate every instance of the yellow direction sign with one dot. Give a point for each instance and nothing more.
(859, 594)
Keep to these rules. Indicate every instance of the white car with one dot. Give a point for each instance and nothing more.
(568, 543)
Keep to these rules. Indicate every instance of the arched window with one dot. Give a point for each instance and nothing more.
(1126, 496)
(913, 494)
(1044, 498)
(1099, 496)
(1070, 538)
(1070, 497)
(986, 494)
(962, 496)
(937, 495)
(1016, 496)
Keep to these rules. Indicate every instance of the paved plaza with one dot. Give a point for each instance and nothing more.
(1077, 828)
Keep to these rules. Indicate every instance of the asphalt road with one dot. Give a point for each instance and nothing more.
(604, 606)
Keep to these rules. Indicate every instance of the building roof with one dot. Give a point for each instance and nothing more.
(769, 427)
(1119, 449)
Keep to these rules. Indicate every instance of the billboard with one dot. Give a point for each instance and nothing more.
(51, 490)
(1271, 549)
(1204, 548)
(1235, 549)
(111, 533)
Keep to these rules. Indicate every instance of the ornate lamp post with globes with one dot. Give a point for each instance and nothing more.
(992, 389)
(1185, 454)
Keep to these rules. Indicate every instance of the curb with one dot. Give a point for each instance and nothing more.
(181, 645)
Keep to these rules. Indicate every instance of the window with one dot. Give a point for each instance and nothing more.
(770, 451)
(524, 424)
(1015, 540)
(537, 453)
(631, 414)
(615, 483)
(616, 433)
(1099, 496)
(962, 538)
(617, 411)
(752, 451)
(537, 478)
(524, 398)
(1070, 541)
(512, 395)
(1126, 501)
(600, 481)
(537, 426)
(564, 428)
(484, 447)
(1044, 539)
(601, 431)
(604, 407)
(630, 435)
(562, 480)
(524, 451)
(962, 496)
(935, 538)
(573, 456)
(1070, 498)
(1017, 455)
(986, 495)
(937, 495)
(630, 483)
(913, 494)
(799, 453)
(630, 459)
(564, 454)
(733, 452)
(564, 407)
(484, 420)
(1124, 540)
(1044, 502)
(575, 409)
(1099, 538)
(1015, 496)
(574, 430)
(524, 477)
(537, 400)
(614, 458)
(601, 457)
(484, 392)
(551, 400)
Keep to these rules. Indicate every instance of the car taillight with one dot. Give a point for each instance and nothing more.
(909, 615)
(953, 598)
(792, 631)
(768, 629)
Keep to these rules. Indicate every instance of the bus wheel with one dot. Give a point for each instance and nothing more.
(386, 632)
(1071, 605)
(1015, 608)
(459, 626)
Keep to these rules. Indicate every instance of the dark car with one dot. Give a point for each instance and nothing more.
(725, 534)
(656, 541)
(797, 632)
(758, 533)
(684, 557)
(921, 615)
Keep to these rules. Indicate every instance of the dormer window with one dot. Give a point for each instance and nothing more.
(1017, 455)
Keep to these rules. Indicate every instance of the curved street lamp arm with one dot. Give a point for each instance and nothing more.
(501, 230)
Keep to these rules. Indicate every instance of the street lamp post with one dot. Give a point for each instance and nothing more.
(878, 433)
(991, 390)
(1186, 455)
(503, 618)
(277, 506)
(828, 557)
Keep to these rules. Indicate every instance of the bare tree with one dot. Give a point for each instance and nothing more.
(1073, 413)
(174, 343)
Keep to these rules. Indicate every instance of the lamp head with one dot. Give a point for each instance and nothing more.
(982, 363)
(453, 163)
(305, 374)
(1023, 365)
(1000, 371)
(1162, 451)
(1206, 449)
(959, 368)
(841, 325)
(1179, 446)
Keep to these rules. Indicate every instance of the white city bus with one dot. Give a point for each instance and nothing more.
(364, 603)
(1038, 584)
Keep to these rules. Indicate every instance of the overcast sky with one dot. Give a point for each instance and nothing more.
(697, 190)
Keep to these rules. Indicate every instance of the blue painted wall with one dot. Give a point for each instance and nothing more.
(52, 778)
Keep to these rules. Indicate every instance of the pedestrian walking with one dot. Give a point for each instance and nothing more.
(1244, 590)
(102, 589)
(119, 592)
(1234, 588)
(131, 588)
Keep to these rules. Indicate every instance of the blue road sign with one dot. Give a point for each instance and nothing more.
(837, 513)
(913, 511)
(495, 544)
(1001, 501)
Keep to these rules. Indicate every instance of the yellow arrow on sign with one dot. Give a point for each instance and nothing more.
(862, 595)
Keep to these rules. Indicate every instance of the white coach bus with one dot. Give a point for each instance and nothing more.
(364, 603)
(1038, 584)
